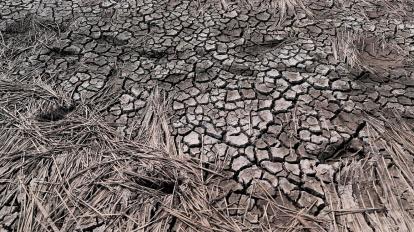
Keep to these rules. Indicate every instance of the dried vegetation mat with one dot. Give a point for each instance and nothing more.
(377, 192)
(283, 9)
(377, 9)
(64, 168)
(362, 51)
(25, 38)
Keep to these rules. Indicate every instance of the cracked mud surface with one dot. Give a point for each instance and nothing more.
(270, 98)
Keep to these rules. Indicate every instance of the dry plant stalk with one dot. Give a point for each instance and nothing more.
(363, 52)
(346, 48)
(394, 8)
(286, 6)
(375, 193)
(283, 7)
(23, 39)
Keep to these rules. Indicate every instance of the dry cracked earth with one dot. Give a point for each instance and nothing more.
(277, 99)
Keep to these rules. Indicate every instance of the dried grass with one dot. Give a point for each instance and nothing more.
(22, 40)
(78, 173)
(376, 193)
(283, 8)
(77, 170)
(377, 8)
(363, 52)
(286, 7)
(347, 48)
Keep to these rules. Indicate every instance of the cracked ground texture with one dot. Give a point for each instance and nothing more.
(270, 97)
